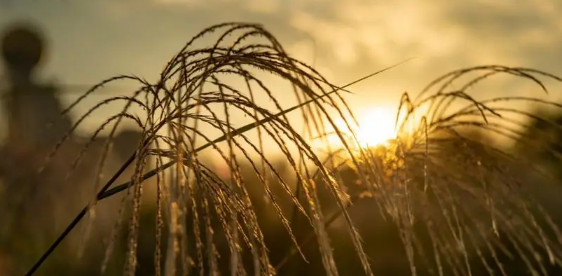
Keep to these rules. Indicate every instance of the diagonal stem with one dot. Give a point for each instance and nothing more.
(106, 192)
(79, 217)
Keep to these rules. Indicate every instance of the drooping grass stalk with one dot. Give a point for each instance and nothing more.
(472, 196)
(461, 191)
(262, 56)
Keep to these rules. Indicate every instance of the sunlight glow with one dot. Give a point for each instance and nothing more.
(375, 127)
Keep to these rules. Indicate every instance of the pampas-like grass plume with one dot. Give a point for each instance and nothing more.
(461, 191)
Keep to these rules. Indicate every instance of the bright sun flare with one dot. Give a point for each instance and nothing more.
(375, 127)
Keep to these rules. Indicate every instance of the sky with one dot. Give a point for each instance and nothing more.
(96, 39)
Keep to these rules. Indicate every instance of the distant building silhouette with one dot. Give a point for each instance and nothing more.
(34, 207)
(30, 106)
(31, 202)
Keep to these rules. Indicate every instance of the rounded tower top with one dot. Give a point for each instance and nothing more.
(22, 47)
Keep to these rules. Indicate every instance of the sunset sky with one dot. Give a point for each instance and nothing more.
(96, 39)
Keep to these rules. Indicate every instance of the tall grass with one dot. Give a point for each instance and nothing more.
(458, 190)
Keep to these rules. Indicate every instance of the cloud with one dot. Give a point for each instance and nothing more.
(344, 40)
(359, 36)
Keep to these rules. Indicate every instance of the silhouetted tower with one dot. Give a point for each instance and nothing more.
(30, 106)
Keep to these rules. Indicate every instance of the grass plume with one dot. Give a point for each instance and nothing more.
(432, 181)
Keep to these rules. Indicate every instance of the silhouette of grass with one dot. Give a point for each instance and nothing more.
(460, 190)
(471, 196)
(178, 99)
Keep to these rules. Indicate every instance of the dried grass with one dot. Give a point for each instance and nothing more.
(464, 192)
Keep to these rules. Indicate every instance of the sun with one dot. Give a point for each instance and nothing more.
(375, 127)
